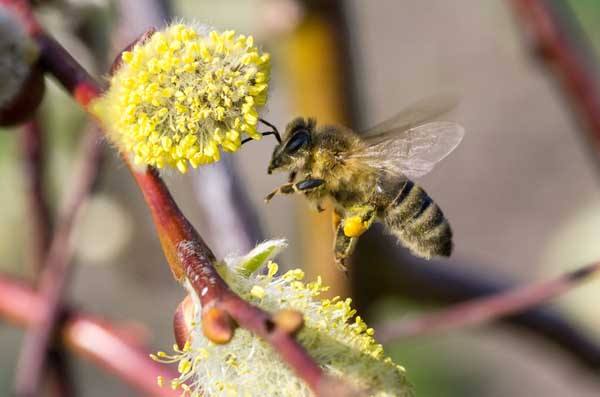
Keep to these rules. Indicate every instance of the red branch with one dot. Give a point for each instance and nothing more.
(57, 61)
(32, 142)
(55, 273)
(566, 61)
(485, 310)
(88, 336)
(39, 213)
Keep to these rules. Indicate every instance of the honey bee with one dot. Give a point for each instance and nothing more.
(368, 176)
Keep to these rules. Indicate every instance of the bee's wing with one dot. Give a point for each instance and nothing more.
(412, 152)
(418, 113)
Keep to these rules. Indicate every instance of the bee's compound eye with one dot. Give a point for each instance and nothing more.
(300, 139)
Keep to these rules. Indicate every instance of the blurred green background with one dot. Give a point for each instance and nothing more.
(521, 191)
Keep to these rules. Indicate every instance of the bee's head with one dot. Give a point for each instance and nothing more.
(293, 151)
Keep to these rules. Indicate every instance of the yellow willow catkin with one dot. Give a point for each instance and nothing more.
(183, 95)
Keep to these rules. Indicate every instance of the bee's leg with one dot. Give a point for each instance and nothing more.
(315, 202)
(336, 219)
(306, 185)
(343, 247)
(358, 220)
(349, 229)
(292, 176)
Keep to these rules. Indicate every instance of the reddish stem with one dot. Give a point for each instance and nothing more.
(57, 61)
(487, 309)
(566, 61)
(32, 143)
(55, 273)
(34, 160)
(88, 336)
(172, 226)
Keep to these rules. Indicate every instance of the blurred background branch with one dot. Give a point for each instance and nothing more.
(228, 215)
(485, 309)
(114, 349)
(34, 163)
(557, 40)
(34, 159)
(56, 271)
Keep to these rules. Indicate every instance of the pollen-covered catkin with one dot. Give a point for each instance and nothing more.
(183, 95)
(340, 342)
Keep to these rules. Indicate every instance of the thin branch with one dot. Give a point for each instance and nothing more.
(32, 143)
(568, 57)
(61, 375)
(487, 309)
(88, 336)
(57, 61)
(56, 271)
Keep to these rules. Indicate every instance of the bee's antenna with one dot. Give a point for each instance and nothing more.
(274, 132)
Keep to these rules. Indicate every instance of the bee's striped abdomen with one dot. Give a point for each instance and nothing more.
(419, 223)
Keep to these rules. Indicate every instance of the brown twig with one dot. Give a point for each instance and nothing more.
(487, 309)
(56, 271)
(91, 337)
(32, 142)
(61, 377)
(58, 62)
(567, 56)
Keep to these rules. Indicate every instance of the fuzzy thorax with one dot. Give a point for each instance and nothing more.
(183, 95)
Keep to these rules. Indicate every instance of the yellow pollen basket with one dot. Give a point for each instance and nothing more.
(354, 226)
